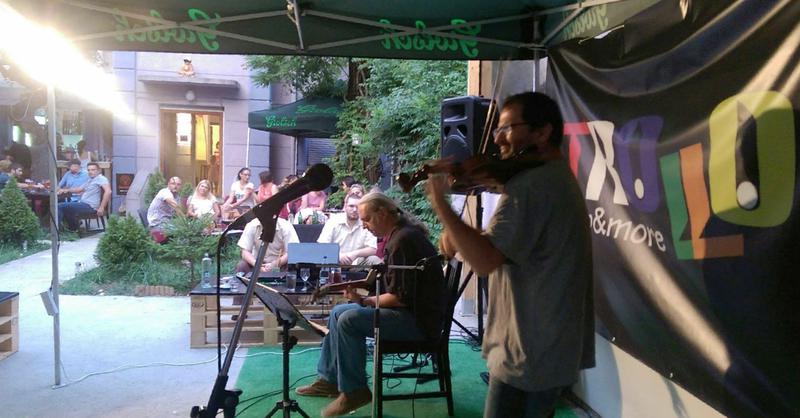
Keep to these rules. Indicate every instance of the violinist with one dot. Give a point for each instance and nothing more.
(537, 255)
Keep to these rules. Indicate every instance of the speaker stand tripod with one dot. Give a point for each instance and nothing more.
(483, 286)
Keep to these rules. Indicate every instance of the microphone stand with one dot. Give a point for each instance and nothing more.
(222, 398)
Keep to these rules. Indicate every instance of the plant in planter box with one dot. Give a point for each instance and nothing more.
(188, 240)
(18, 223)
(124, 242)
(184, 192)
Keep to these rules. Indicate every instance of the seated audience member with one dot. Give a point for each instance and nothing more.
(5, 173)
(16, 171)
(163, 208)
(267, 188)
(95, 195)
(356, 244)
(411, 308)
(241, 197)
(314, 200)
(290, 209)
(73, 178)
(277, 251)
(356, 190)
(347, 182)
(19, 153)
(203, 202)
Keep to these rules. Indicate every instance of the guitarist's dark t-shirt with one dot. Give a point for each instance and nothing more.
(423, 292)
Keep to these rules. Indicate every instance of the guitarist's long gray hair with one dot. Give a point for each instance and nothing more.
(377, 200)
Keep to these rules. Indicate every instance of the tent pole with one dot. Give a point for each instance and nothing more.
(293, 7)
(54, 238)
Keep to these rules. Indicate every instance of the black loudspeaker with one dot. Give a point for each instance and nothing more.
(463, 123)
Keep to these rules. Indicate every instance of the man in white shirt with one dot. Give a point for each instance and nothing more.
(164, 205)
(356, 244)
(277, 250)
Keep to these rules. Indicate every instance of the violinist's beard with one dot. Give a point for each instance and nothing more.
(530, 150)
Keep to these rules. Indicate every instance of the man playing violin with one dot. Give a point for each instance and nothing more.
(537, 255)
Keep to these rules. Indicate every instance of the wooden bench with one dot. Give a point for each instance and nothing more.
(9, 323)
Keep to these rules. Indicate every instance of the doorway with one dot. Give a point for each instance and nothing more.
(191, 146)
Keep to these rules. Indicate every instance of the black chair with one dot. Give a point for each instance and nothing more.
(437, 349)
(143, 216)
(101, 220)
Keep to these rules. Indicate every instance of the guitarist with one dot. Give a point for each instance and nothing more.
(411, 308)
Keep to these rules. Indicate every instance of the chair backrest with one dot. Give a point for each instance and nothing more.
(143, 216)
(453, 280)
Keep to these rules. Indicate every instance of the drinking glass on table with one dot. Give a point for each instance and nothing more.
(305, 273)
(324, 274)
(336, 274)
(291, 281)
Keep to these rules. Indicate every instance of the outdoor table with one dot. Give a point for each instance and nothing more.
(40, 202)
(260, 325)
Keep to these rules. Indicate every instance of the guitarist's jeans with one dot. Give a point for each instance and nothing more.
(344, 350)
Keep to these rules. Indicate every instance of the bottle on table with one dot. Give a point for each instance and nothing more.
(205, 264)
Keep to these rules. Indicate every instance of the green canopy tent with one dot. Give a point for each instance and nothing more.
(417, 29)
(309, 117)
(412, 29)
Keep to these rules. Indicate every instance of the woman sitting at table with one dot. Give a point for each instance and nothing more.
(203, 202)
(314, 200)
(267, 188)
(241, 197)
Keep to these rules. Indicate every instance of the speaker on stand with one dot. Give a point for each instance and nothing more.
(463, 124)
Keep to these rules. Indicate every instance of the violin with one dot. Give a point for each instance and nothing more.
(474, 173)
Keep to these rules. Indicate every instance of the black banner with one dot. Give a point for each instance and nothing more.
(682, 128)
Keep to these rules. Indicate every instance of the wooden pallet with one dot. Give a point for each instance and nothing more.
(260, 326)
(9, 324)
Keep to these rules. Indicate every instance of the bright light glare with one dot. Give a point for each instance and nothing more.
(47, 57)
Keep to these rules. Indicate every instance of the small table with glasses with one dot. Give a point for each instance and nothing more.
(260, 325)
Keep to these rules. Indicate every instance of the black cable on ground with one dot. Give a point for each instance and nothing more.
(258, 398)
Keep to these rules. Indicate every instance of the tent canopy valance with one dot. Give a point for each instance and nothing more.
(420, 29)
(309, 117)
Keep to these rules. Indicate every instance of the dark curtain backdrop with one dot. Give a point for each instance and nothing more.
(682, 127)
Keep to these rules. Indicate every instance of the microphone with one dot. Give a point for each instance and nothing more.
(317, 177)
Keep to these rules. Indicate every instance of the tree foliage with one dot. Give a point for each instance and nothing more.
(155, 182)
(125, 242)
(18, 223)
(309, 76)
(399, 116)
(393, 110)
(188, 240)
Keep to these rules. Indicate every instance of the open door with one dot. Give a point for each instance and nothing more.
(191, 144)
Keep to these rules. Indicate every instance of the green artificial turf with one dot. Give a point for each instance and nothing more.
(262, 374)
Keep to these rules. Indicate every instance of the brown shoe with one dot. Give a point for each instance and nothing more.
(347, 402)
(320, 387)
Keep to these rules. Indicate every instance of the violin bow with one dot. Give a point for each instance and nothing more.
(497, 85)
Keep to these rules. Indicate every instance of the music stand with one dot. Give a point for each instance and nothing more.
(288, 316)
